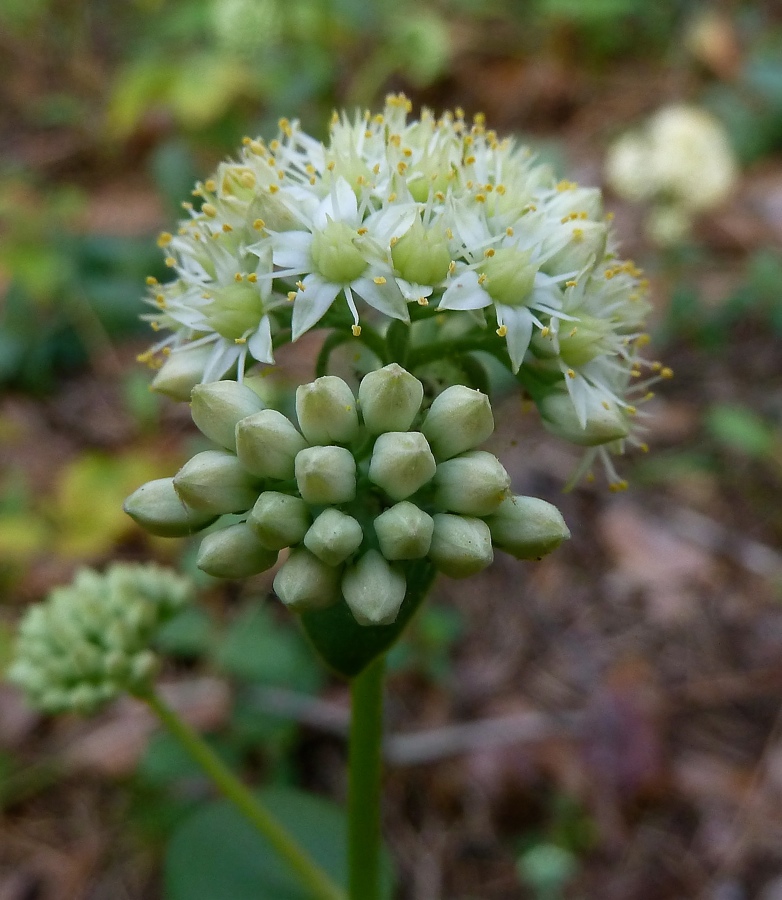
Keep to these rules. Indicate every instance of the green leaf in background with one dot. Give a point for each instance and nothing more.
(348, 647)
(215, 854)
(738, 428)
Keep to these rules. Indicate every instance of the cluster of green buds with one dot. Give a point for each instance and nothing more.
(360, 488)
(90, 640)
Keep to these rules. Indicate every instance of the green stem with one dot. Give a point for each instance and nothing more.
(309, 873)
(366, 735)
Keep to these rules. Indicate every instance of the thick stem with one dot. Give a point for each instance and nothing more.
(309, 873)
(366, 735)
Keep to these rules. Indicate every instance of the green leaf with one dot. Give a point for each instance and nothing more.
(348, 647)
(215, 854)
(741, 429)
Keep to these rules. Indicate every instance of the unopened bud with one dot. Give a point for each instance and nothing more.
(279, 520)
(326, 409)
(390, 399)
(602, 425)
(218, 406)
(267, 443)
(401, 463)
(374, 590)
(305, 583)
(458, 420)
(326, 475)
(473, 484)
(333, 537)
(159, 509)
(181, 372)
(461, 546)
(216, 482)
(404, 531)
(527, 527)
(234, 552)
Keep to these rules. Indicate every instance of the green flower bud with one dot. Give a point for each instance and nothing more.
(234, 552)
(279, 520)
(326, 409)
(473, 484)
(390, 399)
(373, 590)
(159, 509)
(218, 406)
(527, 528)
(404, 531)
(267, 444)
(602, 425)
(458, 420)
(421, 255)
(305, 583)
(401, 463)
(333, 537)
(181, 372)
(216, 482)
(461, 546)
(326, 475)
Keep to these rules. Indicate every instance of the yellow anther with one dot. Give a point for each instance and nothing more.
(362, 231)
(571, 283)
(252, 278)
(578, 235)
(186, 204)
(470, 161)
(439, 195)
(273, 188)
(392, 197)
(571, 373)
(151, 280)
(208, 210)
(238, 277)
(480, 198)
(449, 234)
(246, 140)
(573, 331)
(609, 217)
(164, 239)
(274, 145)
(509, 231)
(247, 179)
(285, 127)
(479, 118)
(259, 224)
(379, 280)
(227, 228)
(618, 486)
(331, 165)
(656, 366)
(161, 301)
(301, 286)
(395, 139)
(482, 277)
(459, 112)
(644, 448)
(376, 169)
(502, 330)
(500, 188)
(666, 372)
(210, 185)
(313, 180)
(170, 262)
(423, 301)
(567, 186)
(451, 267)
(291, 295)
(631, 411)
(206, 295)
(240, 340)
(545, 331)
(401, 167)
(489, 253)
(407, 152)
(605, 404)
(356, 329)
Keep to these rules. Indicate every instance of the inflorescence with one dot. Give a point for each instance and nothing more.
(358, 489)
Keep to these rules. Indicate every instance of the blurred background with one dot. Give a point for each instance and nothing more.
(627, 690)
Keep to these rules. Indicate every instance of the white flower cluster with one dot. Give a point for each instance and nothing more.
(681, 161)
(89, 641)
(389, 216)
(353, 491)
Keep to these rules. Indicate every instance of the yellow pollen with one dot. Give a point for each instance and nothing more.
(407, 152)
(252, 278)
(644, 448)
(248, 179)
(618, 486)
(480, 198)
(273, 188)
(161, 301)
(605, 404)
(649, 395)
(291, 295)
(206, 295)
(439, 195)
(164, 239)
(656, 366)
(301, 286)
(356, 329)
(631, 411)
(666, 372)
(186, 204)
(392, 197)
(241, 340)
(642, 340)
(470, 160)
(151, 280)
(509, 231)
(489, 253)
(259, 224)
(376, 169)
(210, 186)
(401, 167)
(502, 330)
(238, 277)
(227, 228)
(567, 186)
(393, 242)
(500, 188)
(423, 301)
(246, 140)
(482, 277)
(208, 210)
(609, 217)
(362, 231)
(571, 373)
(170, 262)
(257, 148)
(545, 331)
(479, 118)
(331, 165)
(573, 331)
(451, 267)
(571, 283)
(449, 234)
(578, 235)
(379, 280)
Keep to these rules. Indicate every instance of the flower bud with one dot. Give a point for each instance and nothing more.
(216, 482)
(333, 537)
(404, 531)
(326, 475)
(390, 399)
(159, 509)
(373, 590)
(279, 520)
(218, 406)
(473, 484)
(601, 427)
(234, 552)
(527, 527)
(401, 463)
(181, 372)
(458, 420)
(326, 409)
(267, 443)
(461, 546)
(304, 583)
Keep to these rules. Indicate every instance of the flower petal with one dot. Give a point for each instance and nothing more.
(519, 321)
(339, 205)
(312, 303)
(385, 297)
(260, 342)
(464, 292)
(291, 250)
